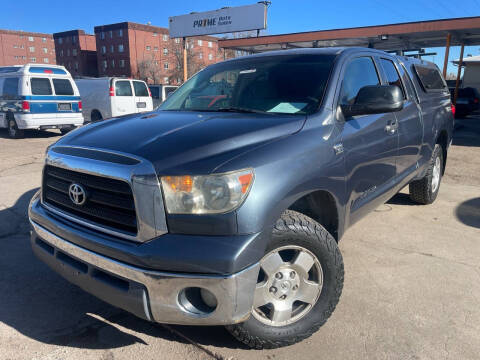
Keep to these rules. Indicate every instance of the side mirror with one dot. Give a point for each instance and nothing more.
(375, 99)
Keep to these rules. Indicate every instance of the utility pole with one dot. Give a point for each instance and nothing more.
(185, 64)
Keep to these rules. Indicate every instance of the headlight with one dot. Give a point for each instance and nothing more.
(210, 194)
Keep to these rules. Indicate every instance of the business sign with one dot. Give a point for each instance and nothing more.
(226, 20)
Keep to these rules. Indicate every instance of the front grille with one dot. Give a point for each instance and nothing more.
(109, 202)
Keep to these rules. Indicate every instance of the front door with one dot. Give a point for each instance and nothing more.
(369, 143)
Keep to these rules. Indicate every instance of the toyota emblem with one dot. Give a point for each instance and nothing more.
(77, 194)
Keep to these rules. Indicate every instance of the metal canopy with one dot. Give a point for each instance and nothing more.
(394, 37)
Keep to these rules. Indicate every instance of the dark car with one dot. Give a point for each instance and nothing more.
(468, 101)
(225, 206)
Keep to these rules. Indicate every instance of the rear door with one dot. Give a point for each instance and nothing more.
(143, 101)
(123, 102)
(409, 119)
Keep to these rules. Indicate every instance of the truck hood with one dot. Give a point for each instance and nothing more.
(184, 142)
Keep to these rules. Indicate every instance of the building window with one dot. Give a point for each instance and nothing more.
(122, 63)
(165, 80)
(104, 64)
(44, 39)
(60, 40)
(179, 81)
(155, 48)
(156, 62)
(33, 59)
(74, 52)
(74, 39)
(165, 51)
(24, 58)
(120, 32)
(165, 66)
(15, 46)
(200, 55)
(120, 48)
(68, 52)
(61, 52)
(177, 40)
(210, 44)
(112, 48)
(200, 42)
(31, 49)
(165, 37)
(45, 60)
(30, 38)
(111, 34)
(22, 46)
(104, 49)
(75, 65)
(102, 35)
(113, 63)
(210, 57)
(155, 34)
(45, 50)
(148, 48)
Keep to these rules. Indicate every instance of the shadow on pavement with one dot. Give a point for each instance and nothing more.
(467, 131)
(401, 199)
(40, 304)
(468, 212)
(32, 134)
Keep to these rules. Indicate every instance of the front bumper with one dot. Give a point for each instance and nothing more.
(152, 295)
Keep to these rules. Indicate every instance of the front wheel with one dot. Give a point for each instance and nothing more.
(299, 285)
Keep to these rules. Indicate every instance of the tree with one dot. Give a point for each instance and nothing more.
(149, 70)
(194, 63)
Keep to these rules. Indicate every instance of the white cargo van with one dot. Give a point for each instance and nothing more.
(34, 96)
(107, 97)
(160, 93)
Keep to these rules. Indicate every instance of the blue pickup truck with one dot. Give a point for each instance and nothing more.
(226, 208)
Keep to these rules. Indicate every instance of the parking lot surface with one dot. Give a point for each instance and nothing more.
(412, 281)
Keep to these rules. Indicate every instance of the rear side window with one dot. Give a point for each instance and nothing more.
(41, 86)
(393, 77)
(359, 73)
(155, 92)
(429, 77)
(123, 88)
(140, 88)
(10, 88)
(62, 87)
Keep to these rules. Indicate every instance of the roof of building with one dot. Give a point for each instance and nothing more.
(25, 33)
(468, 59)
(402, 36)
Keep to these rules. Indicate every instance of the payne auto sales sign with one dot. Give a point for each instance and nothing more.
(226, 20)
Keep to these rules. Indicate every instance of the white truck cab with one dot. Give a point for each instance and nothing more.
(108, 97)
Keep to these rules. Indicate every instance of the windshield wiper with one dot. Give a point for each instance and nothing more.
(241, 110)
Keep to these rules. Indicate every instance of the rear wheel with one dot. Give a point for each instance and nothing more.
(65, 130)
(425, 190)
(13, 131)
(299, 285)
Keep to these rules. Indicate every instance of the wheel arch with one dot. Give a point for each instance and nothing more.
(321, 206)
(442, 140)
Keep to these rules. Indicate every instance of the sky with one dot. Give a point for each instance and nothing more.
(284, 16)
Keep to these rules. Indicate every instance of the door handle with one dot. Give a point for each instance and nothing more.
(391, 128)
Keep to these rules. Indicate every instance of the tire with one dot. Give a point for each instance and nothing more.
(425, 190)
(13, 131)
(292, 232)
(66, 130)
(96, 116)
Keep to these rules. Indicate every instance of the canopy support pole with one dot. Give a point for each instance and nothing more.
(460, 63)
(447, 52)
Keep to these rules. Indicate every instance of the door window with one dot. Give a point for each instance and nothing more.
(360, 72)
(41, 86)
(10, 88)
(62, 87)
(123, 88)
(140, 88)
(393, 77)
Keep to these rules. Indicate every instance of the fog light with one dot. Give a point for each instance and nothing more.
(197, 301)
(208, 298)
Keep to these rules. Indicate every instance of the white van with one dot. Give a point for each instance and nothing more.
(38, 97)
(107, 97)
(160, 93)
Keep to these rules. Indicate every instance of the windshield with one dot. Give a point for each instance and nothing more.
(285, 84)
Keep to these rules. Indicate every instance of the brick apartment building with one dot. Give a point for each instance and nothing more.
(19, 47)
(147, 52)
(77, 52)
